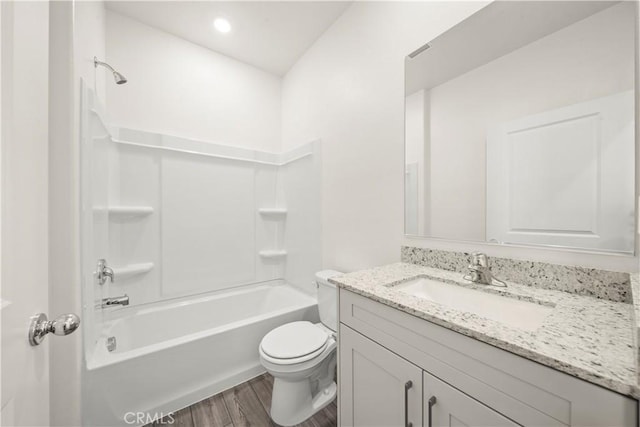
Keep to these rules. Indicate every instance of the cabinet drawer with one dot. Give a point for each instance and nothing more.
(512, 385)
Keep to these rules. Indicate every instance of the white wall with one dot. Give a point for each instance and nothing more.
(178, 88)
(89, 41)
(348, 90)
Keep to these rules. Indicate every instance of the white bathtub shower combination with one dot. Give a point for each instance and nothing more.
(177, 353)
(195, 233)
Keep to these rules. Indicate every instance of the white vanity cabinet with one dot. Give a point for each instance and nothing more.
(369, 368)
(475, 384)
(382, 389)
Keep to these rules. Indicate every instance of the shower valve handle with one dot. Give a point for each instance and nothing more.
(104, 272)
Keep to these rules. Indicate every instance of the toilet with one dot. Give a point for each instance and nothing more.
(301, 356)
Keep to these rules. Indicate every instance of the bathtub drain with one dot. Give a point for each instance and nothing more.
(111, 343)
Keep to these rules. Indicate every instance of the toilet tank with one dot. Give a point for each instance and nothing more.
(327, 298)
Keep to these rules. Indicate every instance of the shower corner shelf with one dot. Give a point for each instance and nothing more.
(127, 271)
(273, 254)
(129, 211)
(275, 212)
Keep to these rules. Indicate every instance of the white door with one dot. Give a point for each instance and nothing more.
(24, 209)
(377, 387)
(565, 177)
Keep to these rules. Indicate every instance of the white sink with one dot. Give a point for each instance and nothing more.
(510, 311)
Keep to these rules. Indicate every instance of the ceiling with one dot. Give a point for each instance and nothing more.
(481, 38)
(270, 35)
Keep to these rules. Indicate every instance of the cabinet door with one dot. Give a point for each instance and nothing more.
(450, 407)
(377, 387)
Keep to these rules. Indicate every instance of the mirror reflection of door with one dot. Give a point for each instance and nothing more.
(562, 176)
(559, 68)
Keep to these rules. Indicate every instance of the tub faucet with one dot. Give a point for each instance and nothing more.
(480, 271)
(110, 302)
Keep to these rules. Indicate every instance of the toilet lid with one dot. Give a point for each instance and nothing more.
(294, 340)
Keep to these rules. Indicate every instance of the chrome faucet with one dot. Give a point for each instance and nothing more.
(110, 302)
(480, 271)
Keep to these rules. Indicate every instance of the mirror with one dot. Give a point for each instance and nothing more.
(520, 127)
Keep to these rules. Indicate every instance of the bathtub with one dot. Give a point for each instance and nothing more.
(174, 354)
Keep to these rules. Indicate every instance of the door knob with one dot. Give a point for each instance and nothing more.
(62, 325)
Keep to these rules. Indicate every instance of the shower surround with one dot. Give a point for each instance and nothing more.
(214, 245)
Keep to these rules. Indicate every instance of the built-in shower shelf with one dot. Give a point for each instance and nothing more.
(129, 211)
(125, 211)
(273, 212)
(126, 271)
(273, 254)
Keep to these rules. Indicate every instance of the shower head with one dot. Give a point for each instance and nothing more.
(119, 78)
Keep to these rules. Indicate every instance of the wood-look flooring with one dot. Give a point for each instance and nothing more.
(242, 406)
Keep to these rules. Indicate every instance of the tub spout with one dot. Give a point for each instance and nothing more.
(109, 302)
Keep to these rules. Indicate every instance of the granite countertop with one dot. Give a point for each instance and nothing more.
(635, 293)
(592, 339)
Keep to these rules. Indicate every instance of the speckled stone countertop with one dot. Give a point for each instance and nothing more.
(592, 339)
(635, 292)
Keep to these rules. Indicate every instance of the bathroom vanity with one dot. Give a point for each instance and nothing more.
(505, 145)
(408, 356)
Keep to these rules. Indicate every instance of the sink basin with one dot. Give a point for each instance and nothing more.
(510, 311)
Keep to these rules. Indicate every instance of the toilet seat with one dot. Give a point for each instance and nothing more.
(295, 342)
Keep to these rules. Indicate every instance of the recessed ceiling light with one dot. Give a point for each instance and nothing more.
(222, 25)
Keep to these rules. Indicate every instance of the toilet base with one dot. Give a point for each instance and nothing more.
(292, 402)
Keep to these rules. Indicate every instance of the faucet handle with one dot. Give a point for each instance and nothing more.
(479, 259)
